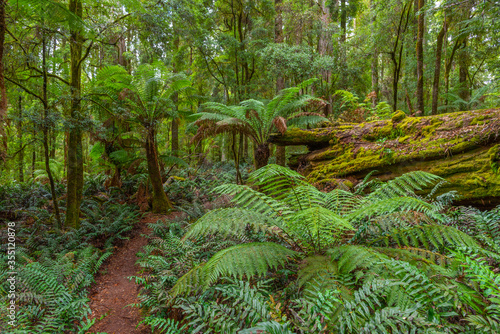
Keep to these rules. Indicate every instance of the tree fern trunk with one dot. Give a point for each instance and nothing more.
(261, 155)
(161, 203)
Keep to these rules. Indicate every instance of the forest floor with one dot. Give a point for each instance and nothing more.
(113, 291)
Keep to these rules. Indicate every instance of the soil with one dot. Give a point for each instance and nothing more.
(113, 291)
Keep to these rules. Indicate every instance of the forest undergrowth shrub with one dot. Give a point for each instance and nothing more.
(195, 185)
(55, 268)
(380, 259)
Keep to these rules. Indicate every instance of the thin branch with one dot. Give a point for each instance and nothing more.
(25, 89)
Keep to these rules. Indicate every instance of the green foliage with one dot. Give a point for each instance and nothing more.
(55, 268)
(377, 260)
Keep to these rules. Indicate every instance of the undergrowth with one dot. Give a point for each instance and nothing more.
(54, 268)
(283, 257)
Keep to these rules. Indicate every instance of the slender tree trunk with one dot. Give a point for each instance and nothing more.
(261, 155)
(175, 129)
(3, 91)
(343, 21)
(236, 159)
(463, 70)
(375, 79)
(20, 140)
(420, 58)
(75, 159)
(280, 80)
(33, 157)
(46, 133)
(447, 70)
(161, 203)
(53, 142)
(437, 68)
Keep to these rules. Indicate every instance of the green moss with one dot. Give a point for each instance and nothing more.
(380, 132)
(478, 120)
(494, 158)
(401, 140)
(398, 116)
(430, 130)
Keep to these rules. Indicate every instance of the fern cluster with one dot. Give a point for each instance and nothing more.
(380, 259)
(55, 269)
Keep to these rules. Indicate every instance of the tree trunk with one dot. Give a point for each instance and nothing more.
(161, 203)
(437, 68)
(75, 159)
(343, 21)
(325, 49)
(375, 79)
(46, 132)
(420, 58)
(175, 128)
(3, 91)
(447, 70)
(261, 155)
(463, 70)
(20, 163)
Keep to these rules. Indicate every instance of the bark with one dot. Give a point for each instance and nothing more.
(447, 69)
(280, 81)
(20, 140)
(375, 79)
(462, 147)
(325, 48)
(437, 68)
(175, 128)
(420, 58)
(343, 21)
(161, 203)
(46, 133)
(278, 38)
(75, 158)
(3, 91)
(397, 51)
(261, 155)
(33, 158)
(236, 159)
(175, 137)
(463, 71)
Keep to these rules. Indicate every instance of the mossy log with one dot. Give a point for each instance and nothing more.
(462, 147)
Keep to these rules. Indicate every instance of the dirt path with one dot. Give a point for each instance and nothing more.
(112, 291)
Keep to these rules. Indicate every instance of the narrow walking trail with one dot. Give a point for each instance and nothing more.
(113, 291)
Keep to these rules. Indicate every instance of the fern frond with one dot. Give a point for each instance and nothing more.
(404, 185)
(251, 199)
(229, 221)
(246, 260)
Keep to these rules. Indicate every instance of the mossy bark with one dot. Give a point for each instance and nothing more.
(261, 155)
(161, 203)
(457, 146)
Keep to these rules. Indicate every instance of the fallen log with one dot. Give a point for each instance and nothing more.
(462, 147)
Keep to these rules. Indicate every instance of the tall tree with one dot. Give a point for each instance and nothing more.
(437, 67)
(75, 154)
(3, 91)
(280, 80)
(420, 56)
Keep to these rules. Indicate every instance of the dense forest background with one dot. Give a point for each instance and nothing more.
(152, 120)
(369, 57)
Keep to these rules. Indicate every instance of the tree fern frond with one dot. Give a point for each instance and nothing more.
(395, 204)
(250, 199)
(436, 236)
(350, 257)
(315, 266)
(229, 221)
(246, 260)
(404, 185)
